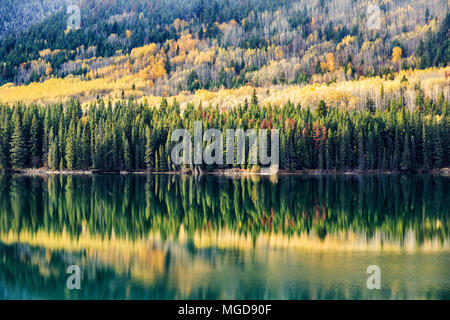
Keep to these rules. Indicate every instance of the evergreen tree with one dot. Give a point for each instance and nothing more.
(361, 152)
(254, 100)
(70, 147)
(426, 150)
(437, 147)
(85, 149)
(53, 154)
(405, 164)
(149, 149)
(126, 153)
(35, 142)
(18, 144)
(322, 109)
(3, 151)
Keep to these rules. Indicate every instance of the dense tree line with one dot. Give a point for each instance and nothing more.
(133, 136)
(435, 51)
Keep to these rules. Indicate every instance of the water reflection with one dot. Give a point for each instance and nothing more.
(170, 237)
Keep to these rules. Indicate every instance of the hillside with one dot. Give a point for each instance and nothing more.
(19, 15)
(174, 48)
(346, 94)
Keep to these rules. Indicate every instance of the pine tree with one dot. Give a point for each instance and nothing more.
(85, 149)
(413, 154)
(370, 104)
(397, 153)
(126, 153)
(62, 143)
(361, 152)
(35, 143)
(328, 151)
(437, 147)
(70, 146)
(163, 106)
(149, 149)
(345, 150)
(18, 144)
(371, 150)
(78, 146)
(3, 152)
(426, 148)
(53, 154)
(254, 100)
(322, 109)
(405, 164)
(162, 159)
(156, 162)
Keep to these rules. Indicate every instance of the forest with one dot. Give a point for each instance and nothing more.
(163, 48)
(133, 136)
(108, 95)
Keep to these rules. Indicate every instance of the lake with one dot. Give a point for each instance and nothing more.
(217, 237)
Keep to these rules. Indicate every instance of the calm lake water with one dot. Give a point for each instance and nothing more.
(172, 237)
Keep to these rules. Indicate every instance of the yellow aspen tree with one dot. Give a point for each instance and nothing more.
(330, 62)
(397, 56)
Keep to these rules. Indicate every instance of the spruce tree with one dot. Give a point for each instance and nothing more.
(405, 164)
(126, 153)
(437, 147)
(361, 152)
(70, 147)
(53, 154)
(18, 144)
(413, 154)
(35, 143)
(254, 100)
(85, 149)
(162, 159)
(322, 109)
(426, 150)
(3, 152)
(149, 149)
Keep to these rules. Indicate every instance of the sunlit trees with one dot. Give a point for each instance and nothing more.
(131, 135)
(260, 43)
(397, 57)
(19, 148)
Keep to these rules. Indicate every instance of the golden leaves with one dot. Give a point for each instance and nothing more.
(186, 43)
(346, 41)
(329, 58)
(154, 70)
(144, 51)
(397, 54)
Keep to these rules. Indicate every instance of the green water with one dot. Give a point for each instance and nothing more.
(172, 237)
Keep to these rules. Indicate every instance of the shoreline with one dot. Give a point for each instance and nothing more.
(226, 172)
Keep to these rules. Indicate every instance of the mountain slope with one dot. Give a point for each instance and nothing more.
(19, 15)
(174, 48)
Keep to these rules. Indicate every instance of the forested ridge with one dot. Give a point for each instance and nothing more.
(164, 48)
(131, 136)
